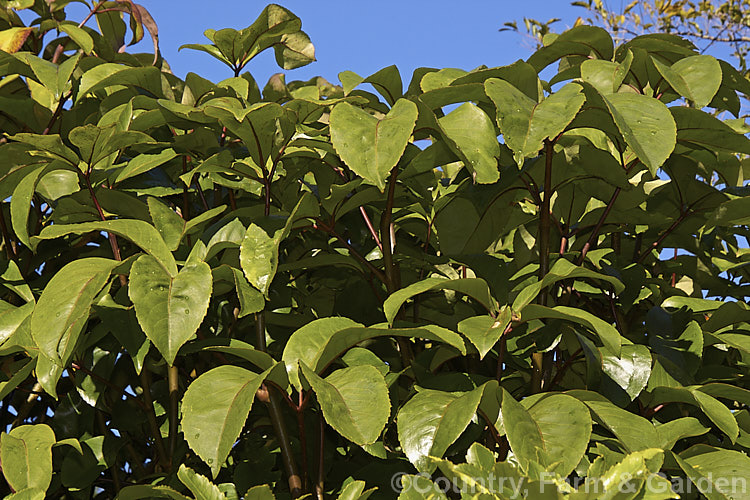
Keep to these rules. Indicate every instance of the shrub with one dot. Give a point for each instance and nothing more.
(485, 283)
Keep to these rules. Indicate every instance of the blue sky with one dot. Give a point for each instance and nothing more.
(359, 36)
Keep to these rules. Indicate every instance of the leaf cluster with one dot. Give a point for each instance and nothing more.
(213, 290)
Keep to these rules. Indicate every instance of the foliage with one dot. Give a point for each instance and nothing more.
(213, 291)
(706, 23)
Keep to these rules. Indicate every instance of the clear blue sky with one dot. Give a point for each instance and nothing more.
(359, 36)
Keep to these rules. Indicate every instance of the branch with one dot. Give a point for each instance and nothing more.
(537, 358)
(387, 235)
(319, 224)
(151, 415)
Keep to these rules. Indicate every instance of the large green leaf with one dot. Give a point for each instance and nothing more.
(354, 401)
(646, 125)
(214, 410)
(717, 473)
(475, 288)
(96, 143)
(26, 454)
(485, 331)
(472, 136)
(50, 145)
(562, 269)
(524, 435)
(697, 78)
(526, 124)
(565, 426)
(710, 406)
(631, 369)
(583, 40)
(199, 485)
(321, 341)
(634, 432)
(259, 257)
(607, 333)
(139, 232)
(171, 226)
(432, 420)
(307, 343)
(169, 309)
(63, 308)
(20, 203)
(698, 129)
(369, 146)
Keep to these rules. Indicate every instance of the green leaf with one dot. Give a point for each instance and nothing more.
(50, 145)
(259, 252)
(170, 225)
(262, 492)
(235, 347)
(419, 487)
(475, 288)
(697, 78)
(485, 331)
(605, 76)
(321, 341)
(526, 124)
(718, 413)
(636, 474)
(368, 146)
(214, 410)
(259, 257)
(634, 432)
(646, 124)
(607, 333)
(306, 345)
(20, 202)
(631, 370)
(18, 376)
(26, 454)
(432, 420)
(96, 143)
(471, 134)
(139, 232)
(63, 308)
(264, 128)
(79, 36)
(354, 401)
(12, 279)
(565, 426)
(199, 485)
(169, 309)
(588, 41)
(729, 213)
(673, 430)
(251, 300)
(698, 129)
(524, 435)
(719, 474)
(562, 269)
(27, 494)
(355, 490)
(145, 162)
(141, 491)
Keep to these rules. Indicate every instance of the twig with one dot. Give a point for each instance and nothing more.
(151, 415)
(568, 363)
(174, 400)
(321, 458)
(537, 358)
